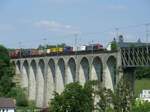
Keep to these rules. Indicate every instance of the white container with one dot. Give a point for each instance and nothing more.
(74, 48)
(108, 47)
(82, 48)
(48, 51)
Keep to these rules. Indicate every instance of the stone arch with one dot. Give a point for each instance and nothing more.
(84, 70)
(111, 72)
(96, 70)
(32, 79)
(51, 80)
(40, 83)
(25, 74)
(60, 75)
(18, 66)
(71, 71)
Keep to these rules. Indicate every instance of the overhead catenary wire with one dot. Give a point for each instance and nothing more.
(115, 30)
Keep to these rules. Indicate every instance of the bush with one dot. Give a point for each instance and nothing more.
(20, 96)
(74, 98)
(141, 106)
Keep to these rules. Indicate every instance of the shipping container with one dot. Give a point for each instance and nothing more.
(40, 51)
(26, 52)
(81, 48)
(54, 50)
(68, 49)
(94, 47)
(60, 49)
(34, 52)
(48, 51)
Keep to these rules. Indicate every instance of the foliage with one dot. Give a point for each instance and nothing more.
(7, 86)
(123, 97)
(105, 99)
(6, 72)
(142, 72)
(118, 101)
(42, 47)
(74, 98)
(58, 45)
(141, 106)
(114, 45)
(92, 96)
(20, 96)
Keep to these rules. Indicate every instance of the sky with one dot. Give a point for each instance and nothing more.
(28, 23)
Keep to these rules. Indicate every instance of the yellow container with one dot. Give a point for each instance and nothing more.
(53, 49)
(60, 49)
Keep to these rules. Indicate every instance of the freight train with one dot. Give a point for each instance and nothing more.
(54, 50)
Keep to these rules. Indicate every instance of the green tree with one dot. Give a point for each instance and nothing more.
(6, 72)
(105, 100)
(142, 72)
(122, 98)
(114, 45)
(74, 98)
(119, 100)
(141, 106)
(20, 95)
(94, 97)
(7, 86)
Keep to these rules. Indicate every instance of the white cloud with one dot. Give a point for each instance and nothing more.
(55, 26)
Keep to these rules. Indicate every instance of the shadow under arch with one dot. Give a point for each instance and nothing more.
(32, 79)
(25, 76)
(51, 80)
(97, 69)
(60, 75)
(40, 83)
(111, 71)
(84, 70)
(71, 71)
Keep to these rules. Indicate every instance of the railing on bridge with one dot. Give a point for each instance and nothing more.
(135, 56)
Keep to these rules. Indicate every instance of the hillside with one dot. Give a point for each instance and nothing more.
(140, 85)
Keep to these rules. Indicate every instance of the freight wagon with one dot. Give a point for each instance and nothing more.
(55, 50)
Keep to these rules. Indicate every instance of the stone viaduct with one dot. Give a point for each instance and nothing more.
(43, 75)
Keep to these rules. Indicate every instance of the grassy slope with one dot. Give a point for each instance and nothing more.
(140, 85)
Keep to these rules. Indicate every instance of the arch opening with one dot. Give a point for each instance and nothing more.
(32, 79)
(18, 71)
(71, 71)
(51, 80)
(111, 72)
(96, 71)
(60, 75)
(25, 75)
(40, 83)
(84, 71)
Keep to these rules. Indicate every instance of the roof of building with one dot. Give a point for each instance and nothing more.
(7, 103)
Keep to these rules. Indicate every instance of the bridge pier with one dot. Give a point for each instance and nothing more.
(130, 76)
